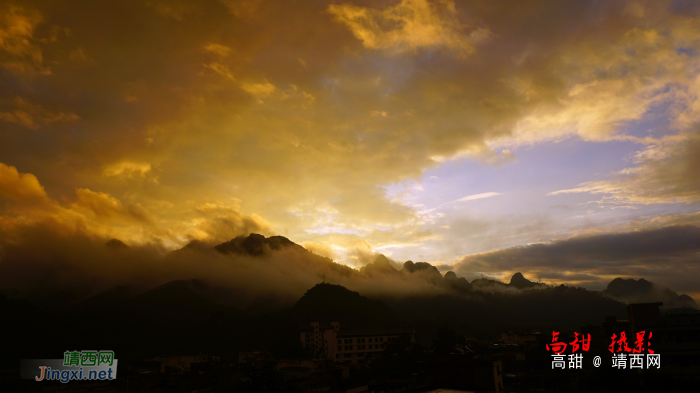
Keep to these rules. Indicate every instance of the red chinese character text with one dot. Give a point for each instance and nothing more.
(621, 341)
(585, 342)
(639, 344)
(611, 347)
(557, 347)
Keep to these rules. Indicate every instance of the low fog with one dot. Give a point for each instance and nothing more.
(56, 270)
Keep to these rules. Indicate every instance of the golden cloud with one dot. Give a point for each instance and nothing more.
(33, 116)
(21, 52)
(127, 169)
(409, 25)
(305, 112)
(20, 187)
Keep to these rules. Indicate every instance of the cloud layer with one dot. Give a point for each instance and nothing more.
(670, 254)
(160, 122)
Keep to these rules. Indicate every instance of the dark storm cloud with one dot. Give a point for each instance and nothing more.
(670, 255)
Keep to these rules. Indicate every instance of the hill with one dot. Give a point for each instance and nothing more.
(256, 245)
(643, 291)
(381, 265)
(333, 303)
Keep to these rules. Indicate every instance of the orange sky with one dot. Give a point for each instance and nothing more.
(425, 130)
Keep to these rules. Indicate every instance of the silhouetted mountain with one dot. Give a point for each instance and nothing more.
(459, 284)
(334, 303)
(164, 319)
(451, 276)
(195, 245)
(27, 331)
(520, 282)
(643, 291)
(381, 265)
(411, 267)
(192, 315)
(683, 301)
(177, 302)
(486, 284)
(16, 310)
(622, 288)
(180, 316)
(485, 313)
(258, 246)
(430, 272)
(116, 244)
(107, 302)
(254, 244)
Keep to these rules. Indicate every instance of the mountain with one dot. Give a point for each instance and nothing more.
(625, 288)
(178, 302)
(520, 282)
(381, 265)
(517, 281)
(428, 271)
(28, 332)
(106, 302)
(334, 303)
(683, 301)
(488, 284)
(643, 291)
(411, 267)
(486, 313)
(116, 244)
(165, 319)
(182, 317)
(266, 249)
(422, 267)
(458, 284)
(255, 245)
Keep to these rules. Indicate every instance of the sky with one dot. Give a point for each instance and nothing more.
(555, 138)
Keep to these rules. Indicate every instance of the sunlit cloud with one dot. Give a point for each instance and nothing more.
(215, 119)
(409, 25)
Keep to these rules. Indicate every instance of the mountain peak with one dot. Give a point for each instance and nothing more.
(519, 281)
(116, 244)
(450, 276)
(382, 261)
(327, 303)
(380, 265)
(642, 291)
(621, 288)
(254, 244)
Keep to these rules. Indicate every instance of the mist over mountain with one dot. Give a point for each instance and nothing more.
(380, 266)
(148, 301)
(253, 273)
(255, 244)
(642, 291)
